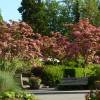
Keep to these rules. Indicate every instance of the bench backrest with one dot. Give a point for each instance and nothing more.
(74, 81)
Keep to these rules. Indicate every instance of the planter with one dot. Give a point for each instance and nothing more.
(35, 82)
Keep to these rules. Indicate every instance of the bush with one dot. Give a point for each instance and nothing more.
(97, 66)
(7, 82)
(10, 95)
(93, 95)
(52, 75)
(88, 72)
(82, 72)
(69, 72)
(14, 65)
(34, 82)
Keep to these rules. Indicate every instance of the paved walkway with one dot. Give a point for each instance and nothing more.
(52, 94)
(61, 96)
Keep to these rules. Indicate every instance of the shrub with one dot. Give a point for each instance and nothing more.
(93, 95)
(97, 66)
(7, 82)
(82, 72)
(34, 82)
(52, 75)
(88, 72)
(15, 65)
(10, 95)
(68, 72)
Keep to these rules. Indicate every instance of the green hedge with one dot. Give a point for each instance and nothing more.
(52, 75)
(82, 72)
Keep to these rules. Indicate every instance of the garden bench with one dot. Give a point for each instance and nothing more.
(24, 81)
(74, 82)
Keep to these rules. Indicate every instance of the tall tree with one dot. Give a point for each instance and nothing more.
(44, 17)
(33, 13)
(73, 10)
(76, 12)
(57, 16)
(90, 9)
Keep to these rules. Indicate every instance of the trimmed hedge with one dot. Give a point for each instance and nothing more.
(52, 75)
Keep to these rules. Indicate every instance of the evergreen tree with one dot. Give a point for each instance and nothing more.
(44, 17)
(33, 13)
(90, 9)
(76, 12)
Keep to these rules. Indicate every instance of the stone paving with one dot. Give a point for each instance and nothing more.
(61, 96)
(52, 94)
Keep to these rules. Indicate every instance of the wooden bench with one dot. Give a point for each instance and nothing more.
(74, 82)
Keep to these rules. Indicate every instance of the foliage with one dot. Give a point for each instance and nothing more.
(86, 40)
(45, 17)
(81, 9)
(85, 43)
(14, 65)
(77, 63)
(33, 13)
(17, 39)
(97, 67)
(11, 95)
(34, 82)
(18, 46)
(90, 9)
(37, 71)
(38, 62)
(89, 71)
(7, 82)
(93, 95)
(73, 7)
(52, 75)
(1, 18)
(57, 16)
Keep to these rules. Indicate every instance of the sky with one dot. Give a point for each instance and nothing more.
(9, 9)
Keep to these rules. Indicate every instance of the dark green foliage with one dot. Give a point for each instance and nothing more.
(77, 62)
(97, 66)
(1, 18)
(52, 75)
(37, 71)
(69, 73)
(45, 17)
(34, 82)
(33, 13)
(73, 10)
(90, 9)
(57, 17)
